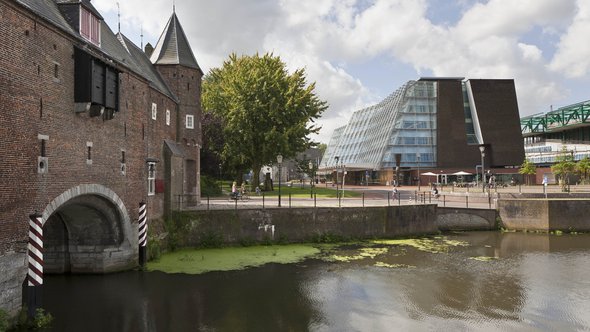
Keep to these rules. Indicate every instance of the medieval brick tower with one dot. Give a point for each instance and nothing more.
(174, 60)
(94, 135)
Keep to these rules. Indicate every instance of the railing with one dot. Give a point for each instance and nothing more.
(474, 197)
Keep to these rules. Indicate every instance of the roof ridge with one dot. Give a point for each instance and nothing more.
(172, 47)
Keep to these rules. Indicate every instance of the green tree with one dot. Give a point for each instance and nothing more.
(527, 168)
(564, 167)
(266, 111)
(582, 167)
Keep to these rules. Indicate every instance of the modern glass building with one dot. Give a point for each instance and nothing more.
(431, 123)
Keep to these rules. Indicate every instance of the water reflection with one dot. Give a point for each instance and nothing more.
(532, 282)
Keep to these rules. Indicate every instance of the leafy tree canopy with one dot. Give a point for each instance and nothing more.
(265, 110)
(582, 167)
(564, 166)
(527, 168)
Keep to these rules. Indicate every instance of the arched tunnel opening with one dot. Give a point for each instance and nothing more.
(86, 235)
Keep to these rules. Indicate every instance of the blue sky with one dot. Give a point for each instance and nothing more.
(359, 51)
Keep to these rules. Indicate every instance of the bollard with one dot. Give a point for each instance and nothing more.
(388, 194)
(466, 201)
(444, 200)
(35, 259)
(289, 200)
(399, 199)
(489, 202)
(363, 199)
(142, 233)
(263, 200)
(207, 202)
(315, 197)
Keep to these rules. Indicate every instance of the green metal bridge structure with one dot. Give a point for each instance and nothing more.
(571, 123)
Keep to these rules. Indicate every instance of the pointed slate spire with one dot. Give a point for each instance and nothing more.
(173, 47)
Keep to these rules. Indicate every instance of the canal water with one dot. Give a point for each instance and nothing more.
(475, 281)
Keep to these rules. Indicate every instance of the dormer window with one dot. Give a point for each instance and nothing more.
(89, 26)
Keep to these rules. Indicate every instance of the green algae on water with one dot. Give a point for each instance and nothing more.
(362, 254)
(436, 245)
(393, 266)
(483, 258)
(197, 261)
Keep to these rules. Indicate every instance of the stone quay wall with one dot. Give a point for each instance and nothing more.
(462, 219)
(315, 224)
(545, 214)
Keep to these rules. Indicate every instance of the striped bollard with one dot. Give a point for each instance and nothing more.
(35, 257)
(142, 224)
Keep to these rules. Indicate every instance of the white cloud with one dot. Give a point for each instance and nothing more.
(573, 54)
(490, 39)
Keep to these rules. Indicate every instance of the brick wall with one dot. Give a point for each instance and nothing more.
(37, 101)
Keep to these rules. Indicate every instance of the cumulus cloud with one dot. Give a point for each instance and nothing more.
(489, 39)
(573, 55)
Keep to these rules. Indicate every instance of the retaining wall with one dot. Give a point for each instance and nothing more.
(545, 214)
(455, 219)
(305, 224)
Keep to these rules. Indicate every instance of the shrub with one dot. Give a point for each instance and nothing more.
(4, 320)
(209, 186)
(154, 249)
(211, 240)
(42, 319)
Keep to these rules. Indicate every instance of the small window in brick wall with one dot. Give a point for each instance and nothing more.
(123, 163)
(89, 153)
(151, 178)
(190, 121)
(154, 111)
(42, 160)
(167, 117)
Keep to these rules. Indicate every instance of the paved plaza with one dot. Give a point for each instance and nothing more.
(408, 195)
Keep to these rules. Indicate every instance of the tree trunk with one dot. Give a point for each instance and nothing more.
(255, 181)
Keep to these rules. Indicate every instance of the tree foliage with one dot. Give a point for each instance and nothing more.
(564, 166)
(212, 145)
(583, 167)
(527, 168)
(265, 110)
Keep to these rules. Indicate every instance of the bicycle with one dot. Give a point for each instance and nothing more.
(234, 196)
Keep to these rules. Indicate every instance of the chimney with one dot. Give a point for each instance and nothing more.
(149, 49)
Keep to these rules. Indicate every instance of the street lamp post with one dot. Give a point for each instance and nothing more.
(310, 179)
(337, 158)
(326, 174)
(482, 150)
(220, 180)
(418, 159)
(279, 161)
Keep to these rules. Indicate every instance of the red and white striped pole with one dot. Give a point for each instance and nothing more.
(35, 257)
(142, 225)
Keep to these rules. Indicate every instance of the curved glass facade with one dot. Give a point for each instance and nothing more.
(404, 123)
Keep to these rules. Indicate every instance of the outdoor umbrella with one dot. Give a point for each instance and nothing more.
(462, 173)
(429, 174)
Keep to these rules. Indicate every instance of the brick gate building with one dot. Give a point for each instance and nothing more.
(90, 126)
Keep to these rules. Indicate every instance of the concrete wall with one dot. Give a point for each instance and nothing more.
(13, 267)
(449, 219)
(305, 224)
(545, 214)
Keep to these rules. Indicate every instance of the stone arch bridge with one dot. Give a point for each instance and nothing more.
(87, 229)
